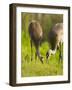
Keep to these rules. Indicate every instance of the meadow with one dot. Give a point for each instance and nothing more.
(36, 68)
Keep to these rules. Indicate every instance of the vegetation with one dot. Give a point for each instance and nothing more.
(36, 68)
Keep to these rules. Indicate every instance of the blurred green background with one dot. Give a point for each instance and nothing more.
(36, 68)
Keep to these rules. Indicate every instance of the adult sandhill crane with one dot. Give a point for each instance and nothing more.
(35, 32)
(55, 39)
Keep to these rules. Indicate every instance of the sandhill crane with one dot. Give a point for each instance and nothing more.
(55, 39)
(35, 32)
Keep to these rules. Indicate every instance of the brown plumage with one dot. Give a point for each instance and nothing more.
(55, 38)
(35, 32)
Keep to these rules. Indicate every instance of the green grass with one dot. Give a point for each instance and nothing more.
(35, 67)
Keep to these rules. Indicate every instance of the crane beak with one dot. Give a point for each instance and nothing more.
(47, 55)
